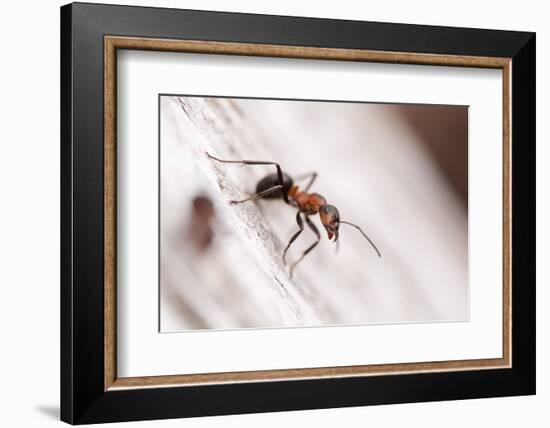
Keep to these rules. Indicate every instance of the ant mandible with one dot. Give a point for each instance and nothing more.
(281, 186)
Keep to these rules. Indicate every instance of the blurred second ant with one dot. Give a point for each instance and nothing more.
(200, 225)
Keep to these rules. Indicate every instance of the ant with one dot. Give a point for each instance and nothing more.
(280, 185)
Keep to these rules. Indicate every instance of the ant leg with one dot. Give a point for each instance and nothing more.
(258, 195)
(301, 226)
(316, 231)
(313, 177)
(251, 162)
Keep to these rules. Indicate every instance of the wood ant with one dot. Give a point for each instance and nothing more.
(281, 186)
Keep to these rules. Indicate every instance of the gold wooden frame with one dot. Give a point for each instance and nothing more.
(112, 43)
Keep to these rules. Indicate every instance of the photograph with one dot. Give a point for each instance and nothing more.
(279, 213)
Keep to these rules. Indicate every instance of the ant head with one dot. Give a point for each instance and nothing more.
(330, 218)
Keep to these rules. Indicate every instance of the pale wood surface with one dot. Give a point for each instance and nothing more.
(372, 166)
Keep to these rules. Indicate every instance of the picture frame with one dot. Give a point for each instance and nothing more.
(91, 390)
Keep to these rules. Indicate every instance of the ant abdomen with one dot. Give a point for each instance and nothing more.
(272, 180)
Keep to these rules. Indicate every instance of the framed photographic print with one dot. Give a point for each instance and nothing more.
(265, 213)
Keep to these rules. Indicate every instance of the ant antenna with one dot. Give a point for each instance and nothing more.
(364, 234)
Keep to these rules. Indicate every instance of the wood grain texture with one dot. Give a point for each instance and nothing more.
(110, 215)
(297, 374)
(265, 50)
(507, 213)
(113, 43)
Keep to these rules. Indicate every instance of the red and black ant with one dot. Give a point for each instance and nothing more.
(281, 186)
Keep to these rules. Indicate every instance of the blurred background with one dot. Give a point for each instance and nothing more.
(398, 171)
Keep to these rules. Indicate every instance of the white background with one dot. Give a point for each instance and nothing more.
(29, 226)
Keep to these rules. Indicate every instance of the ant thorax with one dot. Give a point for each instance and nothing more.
(309, 203)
